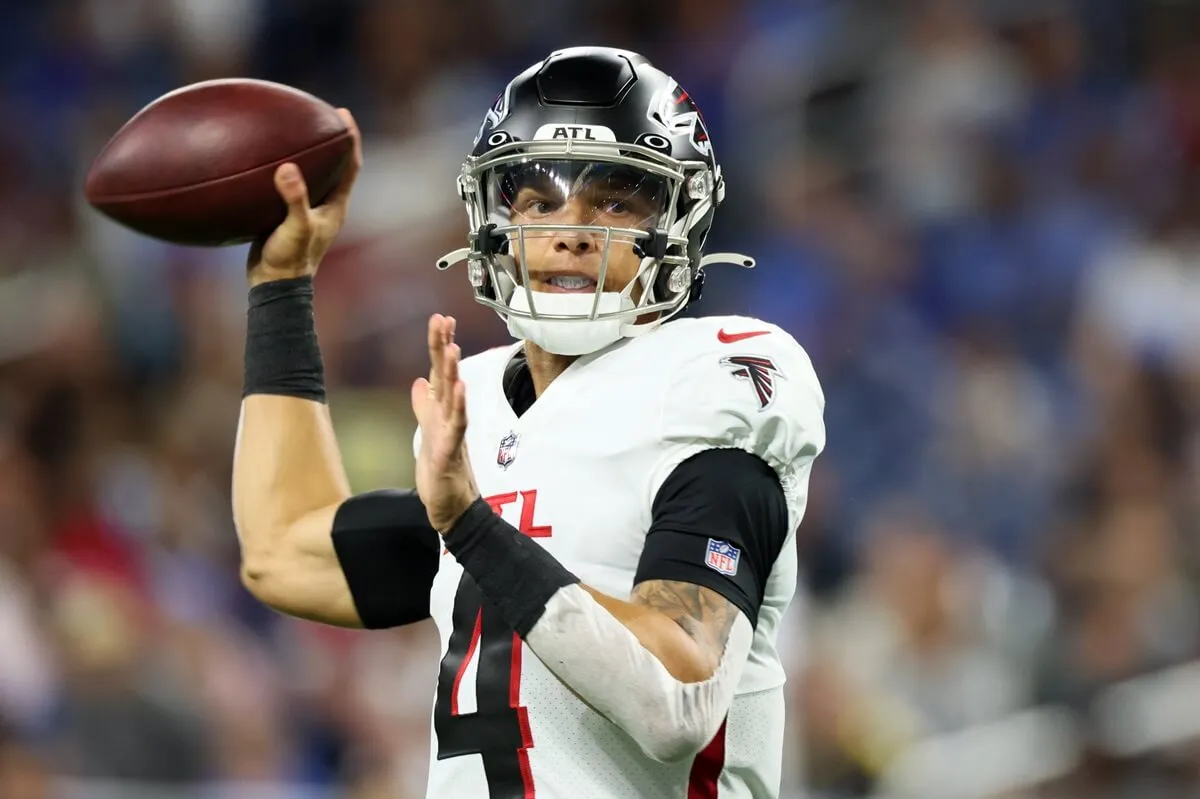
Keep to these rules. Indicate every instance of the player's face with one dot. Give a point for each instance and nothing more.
(599, 196)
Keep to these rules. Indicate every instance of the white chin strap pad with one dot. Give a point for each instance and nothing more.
(577, 336)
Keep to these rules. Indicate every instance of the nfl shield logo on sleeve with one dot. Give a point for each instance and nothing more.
(508, 451)
(722, 557)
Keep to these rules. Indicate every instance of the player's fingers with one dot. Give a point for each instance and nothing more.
(291, 187)
(420, 400)
(458, 417)
(450, 355)
(450, 358)
(288, 246)
(340, 197)
(435, 352)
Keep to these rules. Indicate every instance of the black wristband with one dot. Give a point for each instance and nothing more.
(512, 570)
(282, 354)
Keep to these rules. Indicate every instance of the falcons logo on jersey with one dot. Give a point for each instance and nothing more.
(759, 371)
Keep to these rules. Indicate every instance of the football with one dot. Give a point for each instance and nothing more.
(197, 165)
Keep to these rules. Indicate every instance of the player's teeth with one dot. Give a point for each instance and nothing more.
(570, 282)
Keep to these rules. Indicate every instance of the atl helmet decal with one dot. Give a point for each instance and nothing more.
(497, 113)
(677, 116)
(759, 371)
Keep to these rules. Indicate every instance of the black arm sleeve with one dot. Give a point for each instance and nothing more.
(389, 554)
(718, 497)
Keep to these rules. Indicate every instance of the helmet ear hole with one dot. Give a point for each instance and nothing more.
(697, 286)
(696, 239)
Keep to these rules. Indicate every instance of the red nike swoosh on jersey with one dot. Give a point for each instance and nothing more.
(729, 338)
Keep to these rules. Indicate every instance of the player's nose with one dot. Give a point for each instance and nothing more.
(576, 242)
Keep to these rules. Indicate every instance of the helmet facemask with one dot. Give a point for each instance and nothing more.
(526, 202)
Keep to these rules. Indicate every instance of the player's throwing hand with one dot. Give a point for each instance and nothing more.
(445, 481)
(296, 247)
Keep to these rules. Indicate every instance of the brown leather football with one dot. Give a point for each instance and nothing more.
(197, 165)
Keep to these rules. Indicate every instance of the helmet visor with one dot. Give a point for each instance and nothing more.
(567, 193)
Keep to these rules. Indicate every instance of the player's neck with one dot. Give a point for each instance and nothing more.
(544, 366)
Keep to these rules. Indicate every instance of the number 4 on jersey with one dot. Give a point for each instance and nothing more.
(498, 728)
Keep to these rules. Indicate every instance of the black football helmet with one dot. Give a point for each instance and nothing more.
(588, 114)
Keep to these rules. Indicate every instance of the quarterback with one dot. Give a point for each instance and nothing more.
(608, 566)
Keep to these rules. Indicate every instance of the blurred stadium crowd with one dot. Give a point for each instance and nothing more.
(982, 219)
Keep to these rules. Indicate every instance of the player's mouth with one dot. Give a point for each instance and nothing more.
(569, 284)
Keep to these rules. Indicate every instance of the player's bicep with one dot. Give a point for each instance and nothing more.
(299, 574)
(367, 562)
(719, 522)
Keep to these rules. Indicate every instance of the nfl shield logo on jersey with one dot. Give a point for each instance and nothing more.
(722, 557)
(508, 451)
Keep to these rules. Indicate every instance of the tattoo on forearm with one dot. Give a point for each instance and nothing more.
(702, 613)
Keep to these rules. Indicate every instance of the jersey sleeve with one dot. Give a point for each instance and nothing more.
(719, 521)
(389, 555)
(758, 394)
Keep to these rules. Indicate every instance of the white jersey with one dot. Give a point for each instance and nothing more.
(579, 471)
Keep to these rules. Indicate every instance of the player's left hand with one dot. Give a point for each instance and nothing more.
(445, 481)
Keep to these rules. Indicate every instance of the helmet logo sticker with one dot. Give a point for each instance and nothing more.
(675, 112)
(497, 113)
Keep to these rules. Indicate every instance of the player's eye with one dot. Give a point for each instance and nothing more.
(616, 207)
(538, 206)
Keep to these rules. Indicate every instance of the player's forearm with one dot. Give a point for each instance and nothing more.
(286, 464)
(680, 654)
(607, 664)
(288, 480)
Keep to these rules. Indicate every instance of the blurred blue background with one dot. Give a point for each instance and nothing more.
(981, 217)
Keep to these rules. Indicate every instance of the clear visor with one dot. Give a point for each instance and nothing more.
(564, 194)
